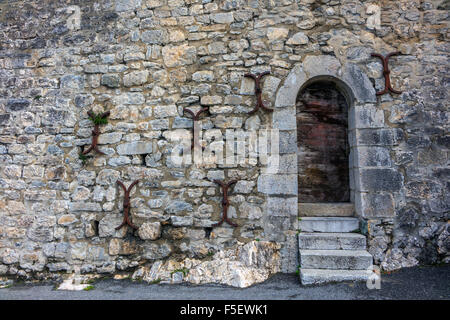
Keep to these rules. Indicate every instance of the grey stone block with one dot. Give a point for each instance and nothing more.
(288, 142)
(182, 221)
(380, 180)
(335, 259)
(331, 241)
(285, 184)
(284, 119)
(375, 205)
(373, 157)
(126, 5)
(320, 276)
(378, 137)
(338, 209)
(328, 224)
(360, 84)
(288, 163)
(283, 207)
(135, 147)
(321, 65)
(155, 37)
(366, 116)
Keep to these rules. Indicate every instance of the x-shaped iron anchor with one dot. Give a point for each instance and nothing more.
(195, 117)
(258, 90)
(225, 202)
(95, 133)
(126, 204)
(386, 72)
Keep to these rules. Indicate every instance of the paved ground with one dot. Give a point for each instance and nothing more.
(412, 283)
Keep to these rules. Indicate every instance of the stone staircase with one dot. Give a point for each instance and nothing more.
(329, 247)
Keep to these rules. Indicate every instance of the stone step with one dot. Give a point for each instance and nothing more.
(328, 224)
(331, 241)
(318, 276)
(335, 259)
(333, 209)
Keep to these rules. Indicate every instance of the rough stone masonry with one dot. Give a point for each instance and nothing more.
(146, 60)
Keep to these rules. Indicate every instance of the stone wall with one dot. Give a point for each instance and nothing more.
(144, 61)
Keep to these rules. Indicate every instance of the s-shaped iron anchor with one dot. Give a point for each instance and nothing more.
(96, 131)
(258, 90)
(126, 204)
(195, 117)
(386, 72)
(225, 202)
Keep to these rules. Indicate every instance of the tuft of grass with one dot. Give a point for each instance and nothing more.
(156, 281)
(37, 98)
(257, 239)
(83, 158)
(183, 270)
(97, 119)
(298, 270)
(89, 288)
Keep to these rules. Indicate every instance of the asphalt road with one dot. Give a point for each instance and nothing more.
(411, 283)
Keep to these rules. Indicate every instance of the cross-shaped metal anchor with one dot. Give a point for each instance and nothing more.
(126, 204)
(195, 117)
(386, 72)
(95, 133)
(225, 202)
(258, 90)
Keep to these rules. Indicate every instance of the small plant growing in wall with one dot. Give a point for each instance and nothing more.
(97, 119)
(298, 270)
(185, 271)
(83, 158)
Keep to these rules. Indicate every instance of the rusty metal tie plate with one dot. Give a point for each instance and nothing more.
(95, 133)
(386, 72)
(126, 205)
(225, 202)
(195, 117)
(258, 90)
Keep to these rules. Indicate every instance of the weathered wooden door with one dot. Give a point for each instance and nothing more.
(323, 174)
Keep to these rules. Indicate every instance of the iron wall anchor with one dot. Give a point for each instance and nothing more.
(258, 91)
(195, 117)
(95, 133)
(225, 202)
(126, 205)
(386, 72)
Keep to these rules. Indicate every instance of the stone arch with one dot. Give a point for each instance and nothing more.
(281, 188)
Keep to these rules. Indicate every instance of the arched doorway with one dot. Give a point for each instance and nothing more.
(322, 141)
(282, 208)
